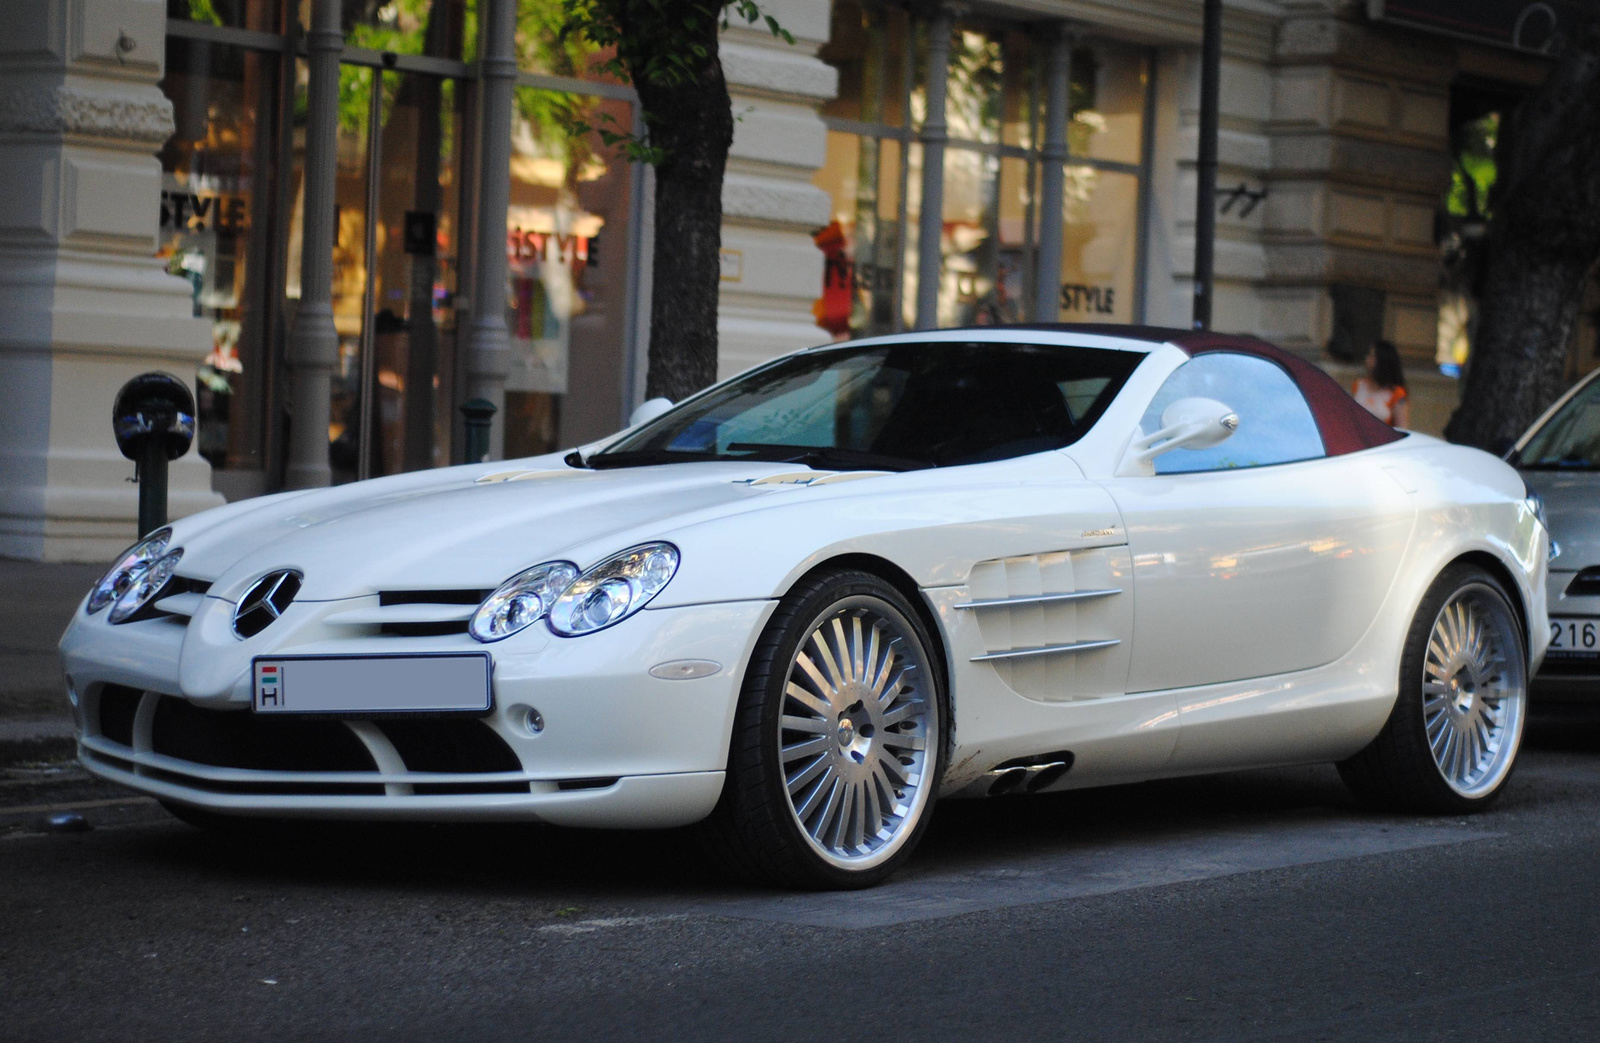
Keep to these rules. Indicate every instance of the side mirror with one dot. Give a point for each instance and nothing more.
(1189, 423)
(649, 410)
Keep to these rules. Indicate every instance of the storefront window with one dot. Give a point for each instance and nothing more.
(988, 248)
(566, 251)
(437, 28)
(217, 231)
(259, 15)
(1099, 245)
(1108, 101)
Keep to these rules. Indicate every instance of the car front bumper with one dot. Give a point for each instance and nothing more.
(580, 734)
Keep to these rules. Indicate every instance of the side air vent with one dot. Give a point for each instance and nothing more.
(267, 599)
(1585, 584)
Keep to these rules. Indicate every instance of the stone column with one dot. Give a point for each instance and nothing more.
(1052, 179)
(489, 342)
(772, 270)
(84, 305)
(313, 342)
(935, 132)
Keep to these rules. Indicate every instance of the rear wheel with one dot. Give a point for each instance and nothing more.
(1453, 735)
(838, 741)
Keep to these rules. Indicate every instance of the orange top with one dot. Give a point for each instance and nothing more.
(1378, 400)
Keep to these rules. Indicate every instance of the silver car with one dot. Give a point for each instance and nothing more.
(1559, 458)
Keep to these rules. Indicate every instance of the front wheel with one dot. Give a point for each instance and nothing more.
(1453, 735)
(838, 740)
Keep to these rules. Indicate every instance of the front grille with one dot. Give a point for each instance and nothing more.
(243, 740)
(429, 627)
(1585, 584)
(174, 586)
(119, 704)
(431, 597)
(453, 745)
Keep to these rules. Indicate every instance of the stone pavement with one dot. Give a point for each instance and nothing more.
(36, 603)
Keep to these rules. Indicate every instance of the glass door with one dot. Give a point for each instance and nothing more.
(395, 266)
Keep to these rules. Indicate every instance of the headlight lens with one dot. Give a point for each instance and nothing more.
(614, 589)
(134, 561)
(145, 586)
(521, 600)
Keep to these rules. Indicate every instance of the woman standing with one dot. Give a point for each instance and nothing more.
(1383, 389)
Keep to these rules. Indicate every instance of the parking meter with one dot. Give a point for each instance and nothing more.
(153, 420)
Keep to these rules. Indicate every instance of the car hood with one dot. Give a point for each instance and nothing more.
(459, 528)
(1572, 508)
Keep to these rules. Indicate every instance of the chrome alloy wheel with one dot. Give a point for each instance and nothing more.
(857, 722)
(1474, 689)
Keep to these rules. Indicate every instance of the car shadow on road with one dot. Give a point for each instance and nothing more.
(646, 866)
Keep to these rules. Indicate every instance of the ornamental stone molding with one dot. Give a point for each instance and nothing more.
(771, 201)
(778, 72)
(144, 119)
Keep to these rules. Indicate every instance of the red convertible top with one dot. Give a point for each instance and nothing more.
(1344, 425)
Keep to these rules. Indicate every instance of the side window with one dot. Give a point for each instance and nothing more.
(1275, 424)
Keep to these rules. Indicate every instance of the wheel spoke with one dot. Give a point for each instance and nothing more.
(808, 748)
(809, 668)
(807, 810)
(798, 782)
(812, 725)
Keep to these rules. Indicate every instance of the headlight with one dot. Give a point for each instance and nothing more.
(521, 600)
(145, 586)
(614, 589)
(135, 560)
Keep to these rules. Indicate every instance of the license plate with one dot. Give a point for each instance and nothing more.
(1575, 635)
(450, 682)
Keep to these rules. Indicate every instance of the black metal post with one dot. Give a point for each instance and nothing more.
(478, 413)
(152, 486)
(1205, 218)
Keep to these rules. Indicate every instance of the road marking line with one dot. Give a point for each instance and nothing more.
(73, 805)
(589, 926)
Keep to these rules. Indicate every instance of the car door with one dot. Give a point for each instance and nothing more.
(1259, 556)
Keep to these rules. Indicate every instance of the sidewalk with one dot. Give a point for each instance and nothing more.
(36, 602)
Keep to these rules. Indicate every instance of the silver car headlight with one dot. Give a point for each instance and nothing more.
(134, 560)
(614, 589)
(521, 601)
(145, 586)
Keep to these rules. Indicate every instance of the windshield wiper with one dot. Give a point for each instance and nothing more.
(647, 457)
(826, 456)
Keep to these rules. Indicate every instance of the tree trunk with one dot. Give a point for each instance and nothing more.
(1543, 241)
(692, 122)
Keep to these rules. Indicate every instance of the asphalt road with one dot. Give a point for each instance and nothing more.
(1254, 906)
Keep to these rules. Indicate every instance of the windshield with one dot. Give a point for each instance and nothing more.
(892, 407)
(1571, 438)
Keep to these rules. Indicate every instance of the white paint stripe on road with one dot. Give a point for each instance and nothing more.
(73, 805)
(590, 926)
(1095, 868)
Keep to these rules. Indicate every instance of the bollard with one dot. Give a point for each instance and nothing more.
(479, 414)
(153, 421)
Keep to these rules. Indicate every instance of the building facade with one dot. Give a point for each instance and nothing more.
(344, 218)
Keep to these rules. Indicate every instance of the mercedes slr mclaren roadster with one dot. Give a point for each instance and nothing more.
(804, 604)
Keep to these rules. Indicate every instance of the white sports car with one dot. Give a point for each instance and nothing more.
(810, 600)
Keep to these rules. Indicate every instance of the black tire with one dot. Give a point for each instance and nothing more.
(1398, 771)
(756, 829)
